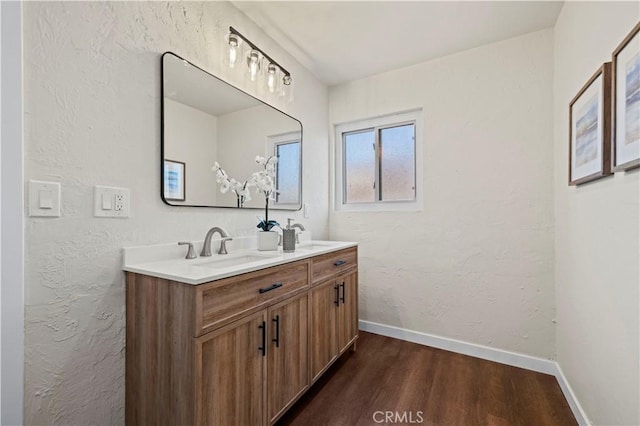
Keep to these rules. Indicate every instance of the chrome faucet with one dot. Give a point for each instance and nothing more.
(206, 247)
(191, 254)
(301, 228)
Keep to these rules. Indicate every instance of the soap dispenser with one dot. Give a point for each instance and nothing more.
(289, 238)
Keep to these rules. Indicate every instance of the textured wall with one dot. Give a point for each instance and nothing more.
(597, 234)
(477, 263)
(92, 116)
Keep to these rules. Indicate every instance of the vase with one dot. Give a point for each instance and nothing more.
(268, 240)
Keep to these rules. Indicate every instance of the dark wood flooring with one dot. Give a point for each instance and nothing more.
(422, 385)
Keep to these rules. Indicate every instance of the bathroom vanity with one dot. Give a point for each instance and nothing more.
(235, 342)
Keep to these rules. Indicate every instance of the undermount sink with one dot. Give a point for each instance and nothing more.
(233, 261)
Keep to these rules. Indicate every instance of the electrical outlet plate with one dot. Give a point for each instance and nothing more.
(111, 202)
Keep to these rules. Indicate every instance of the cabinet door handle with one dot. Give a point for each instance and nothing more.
(263, 348)
(277, 339)
(271, 287)
(342, 297)
(337, 289)
(339, 262)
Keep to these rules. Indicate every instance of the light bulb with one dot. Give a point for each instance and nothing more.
(286, 87)
(233, 50)
(253, 61)
(271, 80)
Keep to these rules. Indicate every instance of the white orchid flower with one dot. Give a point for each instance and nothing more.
(224, 186)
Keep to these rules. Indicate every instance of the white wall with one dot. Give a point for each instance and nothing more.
(597, 233)
(92, 116)
(477, 263)
(12, 247)
(191, 137)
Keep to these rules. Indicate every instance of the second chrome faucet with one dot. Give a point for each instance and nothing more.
(206, 247)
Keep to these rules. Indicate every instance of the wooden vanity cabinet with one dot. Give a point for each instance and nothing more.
(228, 352)
(236, 363)
(334, 320)
(229, 374)
(287, 354)
(334, 307)
(324, 342)
(347, 312)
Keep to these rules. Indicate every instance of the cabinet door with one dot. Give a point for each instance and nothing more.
(288, 353)
(324, 304)
(230, 371)
(347, 323)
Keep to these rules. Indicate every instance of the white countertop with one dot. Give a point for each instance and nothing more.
(167, 260)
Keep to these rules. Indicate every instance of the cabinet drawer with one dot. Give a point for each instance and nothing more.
(226, 300)
(327, 265)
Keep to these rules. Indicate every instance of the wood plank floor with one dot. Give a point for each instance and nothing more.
(427, 386)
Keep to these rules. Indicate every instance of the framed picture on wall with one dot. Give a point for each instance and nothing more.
(174, 180)
(590, 129)
(626, 102)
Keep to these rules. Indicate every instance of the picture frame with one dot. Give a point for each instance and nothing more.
(625, 68)
(590, 129)
(174, 180)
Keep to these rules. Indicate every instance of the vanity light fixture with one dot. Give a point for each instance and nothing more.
(253, 62)
(234, 46)
(278, 79)
(272, 78)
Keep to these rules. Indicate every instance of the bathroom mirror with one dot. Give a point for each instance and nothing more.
(206, 120)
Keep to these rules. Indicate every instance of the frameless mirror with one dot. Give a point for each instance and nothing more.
(206, 120)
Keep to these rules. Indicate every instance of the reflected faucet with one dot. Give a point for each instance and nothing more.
(206, 247)
(301, 228)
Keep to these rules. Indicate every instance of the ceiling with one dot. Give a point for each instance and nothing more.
(185, 83)
(346, 40)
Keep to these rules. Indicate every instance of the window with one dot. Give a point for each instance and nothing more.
(379, 163)
(288, 150)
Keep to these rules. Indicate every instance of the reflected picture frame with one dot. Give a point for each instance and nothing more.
(590, 129)
(174, 180)
(625, 70)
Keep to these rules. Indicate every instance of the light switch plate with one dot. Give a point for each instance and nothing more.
(111, 202)
(44, 199)
(306, 210)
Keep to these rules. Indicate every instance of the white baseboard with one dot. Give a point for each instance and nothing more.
(484, 352)
(576, 408)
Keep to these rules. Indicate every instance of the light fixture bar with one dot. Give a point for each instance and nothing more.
(253, 46)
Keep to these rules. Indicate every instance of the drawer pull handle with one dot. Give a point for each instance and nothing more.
(337, 289)
(263, 348)
(342, 297)
(339, 262)
(277, 339)
(271, 287)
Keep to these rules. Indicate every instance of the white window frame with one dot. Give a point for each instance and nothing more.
(284, 139)
(405, 117)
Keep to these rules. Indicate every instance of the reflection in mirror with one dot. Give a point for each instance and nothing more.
(287, 149)
(205, 120)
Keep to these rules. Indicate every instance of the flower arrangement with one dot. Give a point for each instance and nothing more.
(241, 189)
(263, 180)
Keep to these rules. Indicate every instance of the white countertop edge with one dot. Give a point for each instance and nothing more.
(182, 270)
